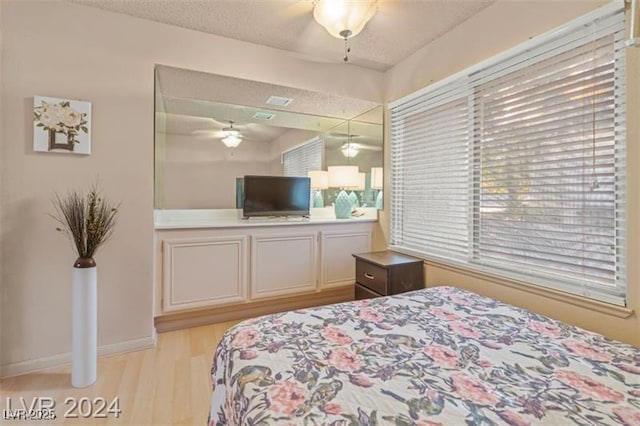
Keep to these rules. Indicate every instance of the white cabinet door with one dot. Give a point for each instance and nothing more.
(283, 264)
(338, 266)
(200, 272)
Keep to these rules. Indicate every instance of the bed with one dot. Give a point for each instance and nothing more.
(438, 356)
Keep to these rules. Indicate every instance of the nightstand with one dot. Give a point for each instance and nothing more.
(383, 273)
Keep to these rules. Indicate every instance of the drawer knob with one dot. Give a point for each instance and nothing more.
(368, 276)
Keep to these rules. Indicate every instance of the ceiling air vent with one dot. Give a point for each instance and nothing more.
(263, 115)
(279, 101)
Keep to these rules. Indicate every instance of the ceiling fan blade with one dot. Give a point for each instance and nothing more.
(213, 133)
(369, 147)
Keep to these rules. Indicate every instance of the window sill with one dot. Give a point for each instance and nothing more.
(593, 305)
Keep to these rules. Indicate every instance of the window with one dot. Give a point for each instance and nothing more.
(303, 158)
(517, 166)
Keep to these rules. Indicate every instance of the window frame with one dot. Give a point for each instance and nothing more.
(471, 263)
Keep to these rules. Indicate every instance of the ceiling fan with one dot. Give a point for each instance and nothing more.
(228, 131)
(232, 136)
(342, 19)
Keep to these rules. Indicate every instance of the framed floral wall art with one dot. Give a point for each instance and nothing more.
(61, 125)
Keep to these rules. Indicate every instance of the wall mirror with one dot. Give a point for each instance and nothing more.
(210, 130)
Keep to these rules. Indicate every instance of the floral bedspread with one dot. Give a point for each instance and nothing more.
(439, 356)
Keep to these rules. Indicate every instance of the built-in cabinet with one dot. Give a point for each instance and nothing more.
(337, 246)
(283, 264)
(200, 272)
(204, 268)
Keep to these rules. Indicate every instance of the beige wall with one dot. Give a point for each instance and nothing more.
(502, 25)
(495, 29)
(201, 173)
(62, 49)
(2, 292)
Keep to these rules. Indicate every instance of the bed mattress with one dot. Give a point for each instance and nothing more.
(438, 356)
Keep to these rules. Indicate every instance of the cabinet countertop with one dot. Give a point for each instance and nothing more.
(201, 218)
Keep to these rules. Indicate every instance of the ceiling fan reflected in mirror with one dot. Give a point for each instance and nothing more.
(350, 150)
(230, 131)
(229, 135)
(232, 136)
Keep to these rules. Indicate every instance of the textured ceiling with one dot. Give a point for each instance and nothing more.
(207, 128)
(207, 119)
(202, 104)
(174, 82)
(398, 29)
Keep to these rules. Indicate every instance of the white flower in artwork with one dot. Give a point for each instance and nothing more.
(60, 118)
(48, 119)
(57, 111)
(71, 118)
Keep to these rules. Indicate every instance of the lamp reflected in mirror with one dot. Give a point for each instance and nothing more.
(377, 180)
(343, 177)
(319, 181)
(353, 197)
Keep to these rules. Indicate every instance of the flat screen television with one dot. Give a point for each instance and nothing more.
(276, 196)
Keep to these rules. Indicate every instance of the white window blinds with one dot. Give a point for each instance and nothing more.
(303, 158)
(517, 166)
(430, 175)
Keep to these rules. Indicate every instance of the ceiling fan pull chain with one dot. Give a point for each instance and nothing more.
(347, 49)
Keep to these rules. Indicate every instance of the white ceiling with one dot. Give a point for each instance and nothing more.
(398, 29)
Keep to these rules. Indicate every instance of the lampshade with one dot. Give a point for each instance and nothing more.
(344, 18)
(362, 179)
(319, 179)
(376, 178)
(343, 176)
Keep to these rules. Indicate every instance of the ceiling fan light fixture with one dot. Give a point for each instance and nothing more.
(232, 137)
(227, 131)
(230, 131)
(350, 150)
(231, 141)
(344, 18)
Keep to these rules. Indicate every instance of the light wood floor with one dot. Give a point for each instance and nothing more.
(169, 384)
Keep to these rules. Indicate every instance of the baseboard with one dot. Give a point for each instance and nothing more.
(31, 365)
(177, 321)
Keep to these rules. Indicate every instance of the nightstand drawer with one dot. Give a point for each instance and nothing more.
(383, 273)
(371, 276)
(362, 292)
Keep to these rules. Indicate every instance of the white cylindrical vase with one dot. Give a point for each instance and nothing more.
(84, 354)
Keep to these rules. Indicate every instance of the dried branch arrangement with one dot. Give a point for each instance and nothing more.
(87, 219)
